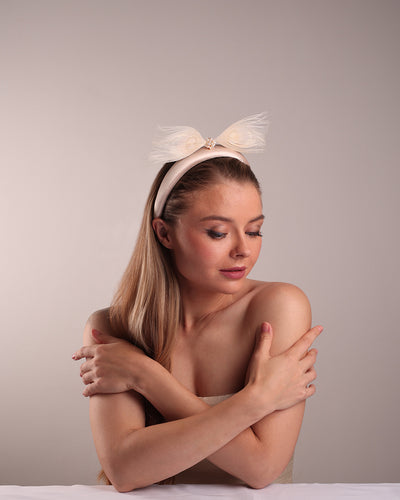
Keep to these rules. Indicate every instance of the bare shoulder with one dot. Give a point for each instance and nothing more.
(286, 307)
(277, 296)
(98, 320)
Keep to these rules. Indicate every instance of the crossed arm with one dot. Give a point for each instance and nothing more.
(245, 435)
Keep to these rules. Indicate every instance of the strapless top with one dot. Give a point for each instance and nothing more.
(206, 472)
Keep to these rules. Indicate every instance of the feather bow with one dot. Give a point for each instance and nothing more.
(174, 143)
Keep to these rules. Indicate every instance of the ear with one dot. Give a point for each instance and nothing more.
(163, 232)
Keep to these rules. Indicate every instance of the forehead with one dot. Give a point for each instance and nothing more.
(225, 198)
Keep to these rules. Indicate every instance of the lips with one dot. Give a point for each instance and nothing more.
(233, 272)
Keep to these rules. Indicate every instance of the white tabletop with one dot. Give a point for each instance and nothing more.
(382, 491)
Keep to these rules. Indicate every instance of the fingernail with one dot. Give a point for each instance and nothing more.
(320, 328)
(266, 327)
(73, 356)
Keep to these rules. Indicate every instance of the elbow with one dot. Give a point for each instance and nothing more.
(258, 483)
(126, 487)
(125, 480)
(262, 477)
(121, 488)
(117, 476)
(121, 484)
(125, 475)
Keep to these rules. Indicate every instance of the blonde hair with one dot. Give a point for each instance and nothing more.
(146, 307)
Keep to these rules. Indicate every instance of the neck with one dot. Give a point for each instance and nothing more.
(198, 305)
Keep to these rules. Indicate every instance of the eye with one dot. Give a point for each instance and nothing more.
(254, 234)
(215, 235)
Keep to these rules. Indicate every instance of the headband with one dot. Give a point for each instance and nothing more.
(187, 148)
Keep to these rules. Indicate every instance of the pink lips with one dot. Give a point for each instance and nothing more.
(234, 272)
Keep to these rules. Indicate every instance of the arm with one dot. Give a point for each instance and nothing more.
(288, 310)
(249, 456)
(260, 453)
(135, 456)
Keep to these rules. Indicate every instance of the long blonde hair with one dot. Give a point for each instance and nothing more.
(147, 306)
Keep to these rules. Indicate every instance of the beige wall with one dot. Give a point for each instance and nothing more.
(83, 85)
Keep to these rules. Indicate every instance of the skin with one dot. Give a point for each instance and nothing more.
(237, 336)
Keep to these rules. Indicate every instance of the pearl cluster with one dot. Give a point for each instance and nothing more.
(210, 143)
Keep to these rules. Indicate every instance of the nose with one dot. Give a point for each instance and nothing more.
(240, 248)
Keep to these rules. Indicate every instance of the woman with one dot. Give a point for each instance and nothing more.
(225, 360)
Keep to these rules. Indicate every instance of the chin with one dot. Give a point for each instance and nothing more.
(231, 287)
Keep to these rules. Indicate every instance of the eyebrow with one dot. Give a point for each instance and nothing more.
(226, 219)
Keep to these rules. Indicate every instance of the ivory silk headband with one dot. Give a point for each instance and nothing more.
(188, 148)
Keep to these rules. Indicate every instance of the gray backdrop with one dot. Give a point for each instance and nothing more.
(83, 85)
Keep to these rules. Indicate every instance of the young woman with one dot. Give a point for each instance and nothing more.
(197, 372)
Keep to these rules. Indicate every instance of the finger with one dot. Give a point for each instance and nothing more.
(310, 391)
(310, 376)
(310, 351)
(87, 378)
(300, 348)
(265, 340)
(309, 359)
(90, 390)
(86, 367)
(84, 352)
(101, 337)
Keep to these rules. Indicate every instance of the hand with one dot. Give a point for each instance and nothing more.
(112, 365)
(285, 378)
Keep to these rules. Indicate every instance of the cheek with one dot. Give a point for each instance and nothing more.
(258, 248)
(255, 250)
(202, 249)
(196, 248)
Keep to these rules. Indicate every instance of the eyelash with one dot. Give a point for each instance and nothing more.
(215, 235)
(219, 236)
